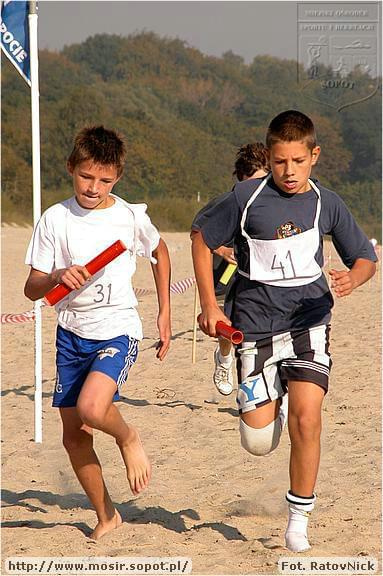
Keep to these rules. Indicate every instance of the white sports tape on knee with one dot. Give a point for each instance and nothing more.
(260, 441)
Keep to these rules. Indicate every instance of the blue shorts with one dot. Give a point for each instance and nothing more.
(76, 357)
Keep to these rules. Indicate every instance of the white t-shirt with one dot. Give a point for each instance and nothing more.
(69, 234)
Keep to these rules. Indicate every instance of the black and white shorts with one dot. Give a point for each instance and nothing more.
(265, 367)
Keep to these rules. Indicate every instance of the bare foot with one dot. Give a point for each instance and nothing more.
(103, 528)
(137, 464)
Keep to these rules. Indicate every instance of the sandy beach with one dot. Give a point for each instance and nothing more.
(208, 499)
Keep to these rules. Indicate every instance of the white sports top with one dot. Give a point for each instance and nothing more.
(284, 262)
(69, 234)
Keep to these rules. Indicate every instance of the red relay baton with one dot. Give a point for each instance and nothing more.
(222, 329)
(60, 291)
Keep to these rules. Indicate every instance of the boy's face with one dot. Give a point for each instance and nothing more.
(291, 164)
(92, 184)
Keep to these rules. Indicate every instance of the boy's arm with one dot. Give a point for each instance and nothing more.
(203, 269)
(161, 273)
(39, 283)
(344, 282)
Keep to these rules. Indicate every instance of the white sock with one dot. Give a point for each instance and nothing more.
(296, 531)
(225, 360)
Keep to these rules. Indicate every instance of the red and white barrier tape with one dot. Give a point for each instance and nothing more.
(175, 288)
(18, 318)
(182, 285)
(143, 292)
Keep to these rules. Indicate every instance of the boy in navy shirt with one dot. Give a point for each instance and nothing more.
(281, 300)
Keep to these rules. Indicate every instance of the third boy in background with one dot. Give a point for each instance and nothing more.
(251, 162)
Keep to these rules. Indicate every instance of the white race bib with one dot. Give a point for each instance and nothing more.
(287, 261)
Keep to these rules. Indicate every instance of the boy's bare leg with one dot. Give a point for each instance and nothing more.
(96, 409)
(137, 464)
(304, 422)
(304, 419)
(224, 346)
(78, 441)
(263, 415)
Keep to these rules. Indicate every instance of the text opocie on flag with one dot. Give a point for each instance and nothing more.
(14, 31)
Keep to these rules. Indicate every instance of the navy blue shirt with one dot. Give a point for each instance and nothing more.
(261, 310)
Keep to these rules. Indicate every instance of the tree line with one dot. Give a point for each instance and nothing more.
(184, 115)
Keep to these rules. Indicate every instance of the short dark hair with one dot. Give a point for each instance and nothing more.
(250, 158)
(291, 126)
(100, 145)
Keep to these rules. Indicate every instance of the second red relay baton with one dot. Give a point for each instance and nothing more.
(222, 329)
(60, 291)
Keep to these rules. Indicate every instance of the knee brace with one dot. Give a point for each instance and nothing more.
(260, 441)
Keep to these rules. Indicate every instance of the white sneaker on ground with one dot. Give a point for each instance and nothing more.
(223, 375)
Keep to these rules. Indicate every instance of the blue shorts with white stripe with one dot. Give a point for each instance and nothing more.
(76, 357)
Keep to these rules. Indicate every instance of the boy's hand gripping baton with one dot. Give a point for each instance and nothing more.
(60, 291)
(222, 329)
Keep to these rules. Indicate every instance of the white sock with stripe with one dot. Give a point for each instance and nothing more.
(299, 512)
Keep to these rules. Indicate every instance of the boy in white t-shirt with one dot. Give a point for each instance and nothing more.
(98, 325)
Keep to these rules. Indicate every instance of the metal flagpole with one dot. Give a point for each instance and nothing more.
(35, 109)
